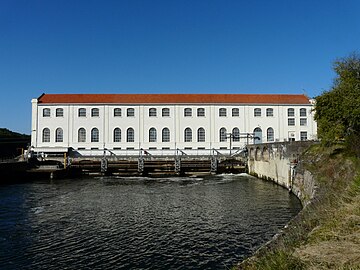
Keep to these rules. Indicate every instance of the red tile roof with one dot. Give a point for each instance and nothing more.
(172, 99)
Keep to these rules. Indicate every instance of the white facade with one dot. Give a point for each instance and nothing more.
(56, 125)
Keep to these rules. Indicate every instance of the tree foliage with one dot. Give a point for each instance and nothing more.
(337, 111)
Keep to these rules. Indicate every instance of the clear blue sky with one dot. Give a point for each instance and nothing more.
(169, 46)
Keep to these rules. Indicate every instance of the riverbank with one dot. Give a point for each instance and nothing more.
(326, 234)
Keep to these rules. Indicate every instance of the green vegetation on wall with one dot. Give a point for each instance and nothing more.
(337, 111)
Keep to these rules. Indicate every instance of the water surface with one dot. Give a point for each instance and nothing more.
(139, 223)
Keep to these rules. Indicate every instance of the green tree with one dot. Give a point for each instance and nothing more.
(337, 111)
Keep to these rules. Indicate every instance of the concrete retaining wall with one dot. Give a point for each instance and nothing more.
(282, 164)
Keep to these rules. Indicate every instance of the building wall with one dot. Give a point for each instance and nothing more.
(177, 122)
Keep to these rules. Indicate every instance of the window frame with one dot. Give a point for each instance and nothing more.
(222, 112)
(165, 137)
(291, 122)
(82, 136)
(291, 112)
(117, 135)
(82, 112)
(45, 136)
(59, 135)
(235, 112)
(130, 112)
(201, 135)
(117, 112)
(95, 112)
(270, 135)
(302, 112)
(302, 137)
(257, 112)
(46, 112)
(152, 112)
(165, 112)
(200, 112)
(152, 135)
(130, 135)
(188, 112)
(94, 135)
(188, 135)
(59, 112)
(303, 122)
(269, 112)
(235, 137)
(222, 135)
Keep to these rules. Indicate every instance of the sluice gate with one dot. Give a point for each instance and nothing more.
(158, 166)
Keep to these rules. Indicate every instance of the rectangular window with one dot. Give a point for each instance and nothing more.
(165, 112)
(130, 112)
(269, 112)
(59, 112)
(201, 112)
(291, 112)
(303, 122)
(291, 121)
(95, 112)
(46, 112)
(302, 112)
(82, 112)
(257, 112)
(152, 112)
(235, 112)
(117, 112)
(187, 112)
(222, 112)
(303, 135)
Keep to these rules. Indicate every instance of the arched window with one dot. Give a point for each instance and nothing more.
(291, 112)
(117, 135)
(303, 112)
(187, 112)
(188, 135)
(165, 112)
(257, 112)
(222, 135)
(165, 135)
(46, 135)
(82, 112)
(152, 112)
(257, 135)
(95, 112)
(200, 112)
(59, 135)
(222, 112)
(94, 135)
(82, 135)
(59, 112)
(235, 112)
(201, 135)
(117, 112)
(269, 112)
(46, 112)
(130, 112)
(152, 135)
(236, 135)
(130, 136)
(270, 134)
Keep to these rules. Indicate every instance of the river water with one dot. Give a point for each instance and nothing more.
(139, 223)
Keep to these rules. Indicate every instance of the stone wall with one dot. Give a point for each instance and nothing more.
(281, 162)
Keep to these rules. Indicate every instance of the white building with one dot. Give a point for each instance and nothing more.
(119, 122)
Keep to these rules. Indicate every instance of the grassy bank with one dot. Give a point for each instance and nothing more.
(326, 234)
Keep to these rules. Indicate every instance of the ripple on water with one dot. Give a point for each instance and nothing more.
(139, 223)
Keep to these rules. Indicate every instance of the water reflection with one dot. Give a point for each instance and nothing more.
(139, 223)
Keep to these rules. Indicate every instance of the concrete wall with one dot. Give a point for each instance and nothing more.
(282, 163)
